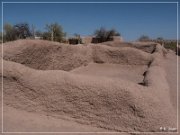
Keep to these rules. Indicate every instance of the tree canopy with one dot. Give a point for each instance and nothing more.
(54, 32)
(144, 38)
(9, 33)
(22, 30)
(105, 35)
(17, 31)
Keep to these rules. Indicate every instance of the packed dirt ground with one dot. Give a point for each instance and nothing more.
(107, 87)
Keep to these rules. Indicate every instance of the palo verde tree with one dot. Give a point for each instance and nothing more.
(54, 32)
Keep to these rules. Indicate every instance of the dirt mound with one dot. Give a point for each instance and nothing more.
(133, 73)
(125, 55)
(144, 46)
(111, 104)
(47, 55)
(99, 101)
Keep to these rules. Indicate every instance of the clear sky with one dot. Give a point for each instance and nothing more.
(131, 20)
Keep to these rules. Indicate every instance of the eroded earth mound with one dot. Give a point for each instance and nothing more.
(67, 82)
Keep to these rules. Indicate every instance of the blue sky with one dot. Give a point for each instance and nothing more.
(131, 20)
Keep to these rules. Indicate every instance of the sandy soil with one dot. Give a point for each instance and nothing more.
(144, 46)
(101, 91)
(133, 73)
(171, 70)
(29, 121)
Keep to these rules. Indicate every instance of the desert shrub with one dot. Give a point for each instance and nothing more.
(46, 36)
(38, 33)
(75, 41)
(9, 33)
(103, 35)
(144, 38)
